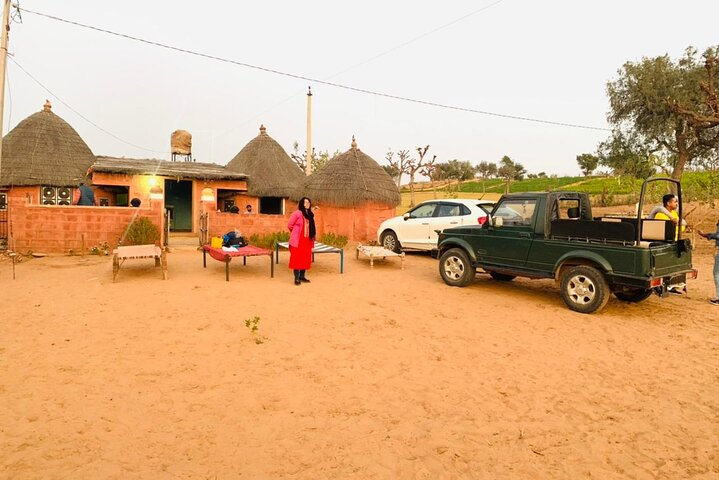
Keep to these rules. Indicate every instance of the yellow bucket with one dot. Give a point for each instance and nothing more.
(216, 242)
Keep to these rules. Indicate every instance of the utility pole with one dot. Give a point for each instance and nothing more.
(3, 62)
(308, 154)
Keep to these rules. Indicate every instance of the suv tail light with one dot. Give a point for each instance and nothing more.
(482, 220)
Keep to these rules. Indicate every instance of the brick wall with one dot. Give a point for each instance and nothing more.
(61, 229)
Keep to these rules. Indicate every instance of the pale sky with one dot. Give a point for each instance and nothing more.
(545, 60)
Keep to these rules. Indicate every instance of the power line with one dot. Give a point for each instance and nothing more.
(321, 82)
(371, 59)
(80, 114)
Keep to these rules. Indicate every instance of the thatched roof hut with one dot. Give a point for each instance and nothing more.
(355, 194)
(350, 180)
(164, 168)
(271, 172)
(44, 149)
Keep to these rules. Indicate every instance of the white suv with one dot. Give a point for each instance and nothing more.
(415, 230)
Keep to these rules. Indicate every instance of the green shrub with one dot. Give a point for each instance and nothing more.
(269, 240)
(329, 238)
(141, 232)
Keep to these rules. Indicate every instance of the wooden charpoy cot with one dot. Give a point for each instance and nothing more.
(317, 248)
(133, 252)
(226, 256)
(377, 252)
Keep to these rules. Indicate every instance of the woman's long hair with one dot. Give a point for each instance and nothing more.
(309, 215)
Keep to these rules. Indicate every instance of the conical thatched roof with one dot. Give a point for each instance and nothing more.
(271, 172)
(350, 179)
(44, 149)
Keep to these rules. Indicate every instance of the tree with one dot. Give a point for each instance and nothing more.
(391, 171)
(587, 163)
(627, 156)
(319, 160)
(486, 169)
(458, 170)
(400, 163)
(667, 105)
(510, 171)
(428, 171)
(412, 168)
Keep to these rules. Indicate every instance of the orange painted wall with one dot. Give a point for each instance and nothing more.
(359, 223)
(60, 229)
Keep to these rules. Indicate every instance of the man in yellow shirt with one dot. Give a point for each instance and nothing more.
(669, 212)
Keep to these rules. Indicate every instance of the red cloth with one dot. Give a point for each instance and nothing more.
(248, 251)
(301, 256)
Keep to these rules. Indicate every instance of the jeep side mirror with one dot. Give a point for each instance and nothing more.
(497, 221)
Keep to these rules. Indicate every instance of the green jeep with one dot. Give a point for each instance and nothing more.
(554, 235)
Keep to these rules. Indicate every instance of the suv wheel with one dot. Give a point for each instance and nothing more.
(455, 268)
(389, 240)
(584, 289)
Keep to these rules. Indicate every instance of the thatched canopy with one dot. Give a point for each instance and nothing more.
(351, 179)
(163, 168)
(44, 149)
(271, 172)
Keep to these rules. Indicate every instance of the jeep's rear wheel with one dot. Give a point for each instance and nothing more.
(584, 289)
(455, 268)
(502, 277)
(389, 240)
(634, 295)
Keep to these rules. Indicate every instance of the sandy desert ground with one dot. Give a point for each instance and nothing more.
(370, 374)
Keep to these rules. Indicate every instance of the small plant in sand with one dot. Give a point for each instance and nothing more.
(253, 325)
(102, 249)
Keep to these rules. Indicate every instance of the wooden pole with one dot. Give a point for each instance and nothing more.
(308, 155)
(3, 62)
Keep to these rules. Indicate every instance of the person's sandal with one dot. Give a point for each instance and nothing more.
(714, 301)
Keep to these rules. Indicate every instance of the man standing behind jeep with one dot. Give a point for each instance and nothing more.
(714, 236)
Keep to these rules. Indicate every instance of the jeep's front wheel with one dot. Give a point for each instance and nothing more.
(584, 289)
(455, 268)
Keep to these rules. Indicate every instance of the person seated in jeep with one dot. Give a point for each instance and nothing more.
(668, 211)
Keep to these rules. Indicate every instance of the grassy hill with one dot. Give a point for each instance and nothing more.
(696, 186)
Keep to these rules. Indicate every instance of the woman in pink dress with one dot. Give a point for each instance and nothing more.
(302, 239)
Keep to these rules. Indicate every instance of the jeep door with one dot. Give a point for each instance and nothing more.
(509, 244)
